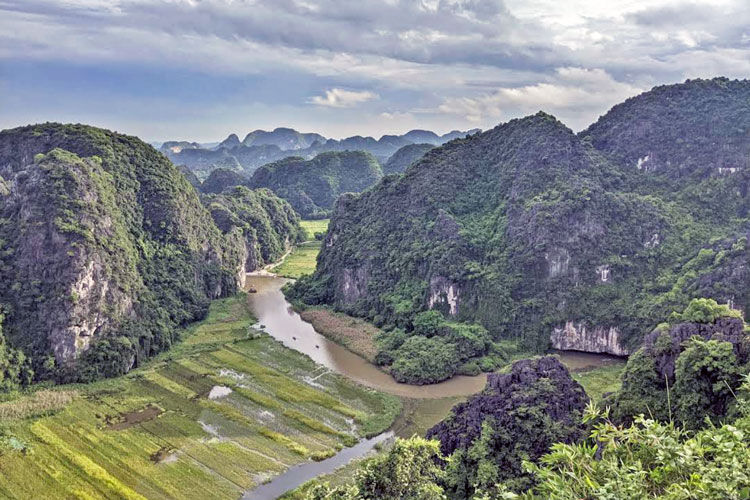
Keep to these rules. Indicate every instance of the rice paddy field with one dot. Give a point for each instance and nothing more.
(303, 258)
(224, 411)
(314, 226)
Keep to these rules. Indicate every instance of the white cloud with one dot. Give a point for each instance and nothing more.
(340, 98)
(575, 95)
(450, 63)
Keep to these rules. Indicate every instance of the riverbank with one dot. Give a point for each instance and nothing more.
(224, 411)
(355, 334)
(286, 325)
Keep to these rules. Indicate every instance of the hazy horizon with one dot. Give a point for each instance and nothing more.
(200, 70)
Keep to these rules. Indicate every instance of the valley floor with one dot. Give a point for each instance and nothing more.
(224, 411)
(303, 258)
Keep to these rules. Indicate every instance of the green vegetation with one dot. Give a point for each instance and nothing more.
(601, 381)
(353, 333)
(689, 371)
(648, 460)
(519, 415)
(404, 157)
(268, 225)
(303, 258)
(300, 262)
(315, 227)
(643, 460)
(87, 442)
(436, 349)
(527, 226)
(15, 370)
(312, 186)
(107, 251)
(220, 179)
(409, 471)
(704, 311)
(107, 234)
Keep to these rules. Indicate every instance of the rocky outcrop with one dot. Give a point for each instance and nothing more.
(577, 336)
(535, 404)
(665, 354)
(444, 295)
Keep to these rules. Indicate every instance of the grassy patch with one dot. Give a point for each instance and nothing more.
(314, 226)
(204, 448)
(355, 334)
(419, 415)
(302, 260)
(600, 381)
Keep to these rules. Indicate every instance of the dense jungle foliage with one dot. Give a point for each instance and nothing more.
(268, 224)
(689, 369)
(531, 435)
(106, 250)
(643, 460)
(527, 226)
(404, 157)
(220, 179)
(436, 349)
(312, 186)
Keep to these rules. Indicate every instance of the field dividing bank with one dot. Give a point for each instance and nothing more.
(227, 409)
(303, 257)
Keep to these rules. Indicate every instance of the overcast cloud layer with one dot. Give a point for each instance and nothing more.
(201, 69)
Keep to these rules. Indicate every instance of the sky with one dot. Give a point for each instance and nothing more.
(202, 69)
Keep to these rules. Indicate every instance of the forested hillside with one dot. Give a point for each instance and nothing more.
(552, 238)
(313, 186)
(401, 159)
(107, 250)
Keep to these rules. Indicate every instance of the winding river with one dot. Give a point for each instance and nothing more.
(280, 321)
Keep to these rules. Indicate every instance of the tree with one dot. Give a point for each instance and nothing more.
(409, 471)
(15, 368)
(647, 460)
(705, 373)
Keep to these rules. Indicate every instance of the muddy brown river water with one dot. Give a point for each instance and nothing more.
(281, 322)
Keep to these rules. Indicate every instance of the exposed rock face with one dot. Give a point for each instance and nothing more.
(580, 337)
(538, 389)
(444, 295)
(353, 284)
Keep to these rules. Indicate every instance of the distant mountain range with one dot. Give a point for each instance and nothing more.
(261, 147)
